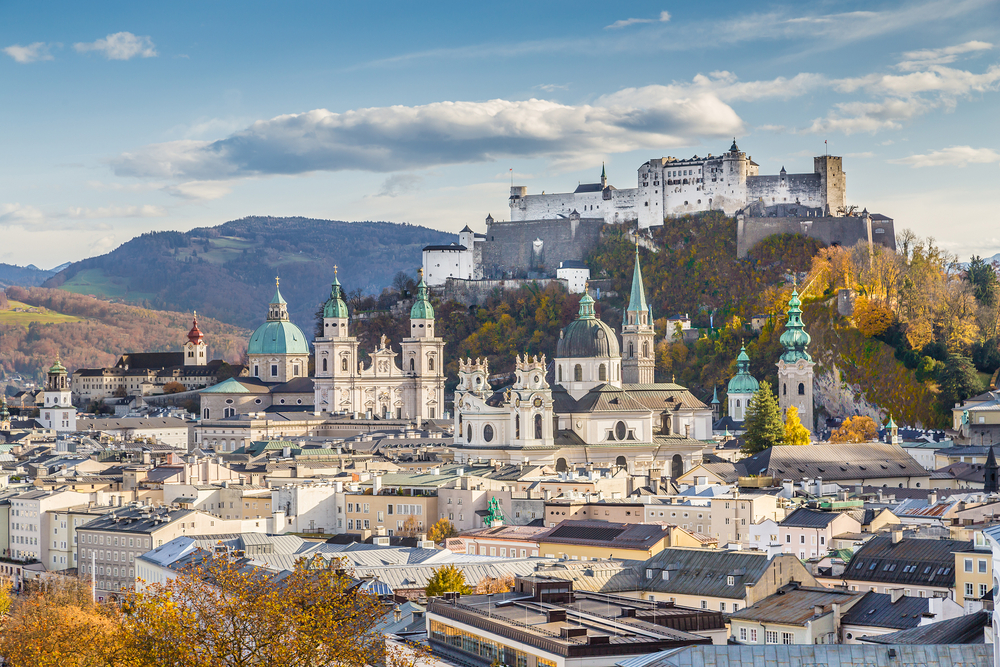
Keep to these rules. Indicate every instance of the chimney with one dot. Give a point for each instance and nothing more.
(817, 610)
(376, 485)
(895, 594)
(932, 498)
(819, 486)
(687, 430)
(897, 536)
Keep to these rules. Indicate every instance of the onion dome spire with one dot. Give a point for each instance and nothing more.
(422, 308)
(795, 339)
(336, 305)
(195, 336)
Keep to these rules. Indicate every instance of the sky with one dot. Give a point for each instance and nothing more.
(120, 118)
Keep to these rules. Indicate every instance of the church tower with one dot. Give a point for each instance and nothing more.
(195, 349)
(992, 479)
(741, 387)
(423, 357)
(58, 412)
(336, 355)
(795, 366)
(530, 405)
(638, 336)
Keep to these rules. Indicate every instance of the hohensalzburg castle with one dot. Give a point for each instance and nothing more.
(672, 187)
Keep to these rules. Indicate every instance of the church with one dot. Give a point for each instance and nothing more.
(596, 402)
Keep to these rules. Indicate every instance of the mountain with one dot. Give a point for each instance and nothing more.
(228, 272)
(29, 276)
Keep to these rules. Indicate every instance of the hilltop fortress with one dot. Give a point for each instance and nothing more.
(671, 186)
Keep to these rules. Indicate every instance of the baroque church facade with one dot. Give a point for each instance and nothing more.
(591, 404)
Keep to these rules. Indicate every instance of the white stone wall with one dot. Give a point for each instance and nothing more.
(308, 506)
(576, 279)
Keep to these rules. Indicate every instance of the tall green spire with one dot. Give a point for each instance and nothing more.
(422, 308)
(795, 339)
(336, 306)
(637, 299)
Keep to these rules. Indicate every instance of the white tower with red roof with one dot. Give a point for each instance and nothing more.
(195, 349)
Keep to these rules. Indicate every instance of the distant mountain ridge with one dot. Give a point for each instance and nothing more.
(26, 276)
(228, 272)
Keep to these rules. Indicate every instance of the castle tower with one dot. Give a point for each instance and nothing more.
(893, 432)
(531, 406)
(278, 350)
(833, 182)
(57, 412)
(336, 354)
(604, 177)
(472, 381)
(795, 366)
(423, 356)
(195, 349)
(638, 336)
(741, 387)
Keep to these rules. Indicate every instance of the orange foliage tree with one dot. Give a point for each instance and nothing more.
(855, 429)
(872, 317)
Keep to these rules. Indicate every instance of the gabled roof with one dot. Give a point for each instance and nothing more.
(966, 629)
(804, 517)
(608, 398)
(795, 605)
(830, 655)
(833, 462)
(879, 611)
(910, 561)
(705, 572)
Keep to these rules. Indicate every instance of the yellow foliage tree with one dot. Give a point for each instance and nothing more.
(795, 432)
(871, 317)
(491, 585)
(855, 429)
(441, 530)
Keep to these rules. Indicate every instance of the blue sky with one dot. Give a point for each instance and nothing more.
(121, 118)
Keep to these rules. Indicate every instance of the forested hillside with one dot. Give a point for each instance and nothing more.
(100, 332)
(29, 275)
(227, 272)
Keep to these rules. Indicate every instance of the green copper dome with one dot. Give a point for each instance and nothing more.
(278, 337)
(743, 382)
(335, 305)
(422, 308)
(58, 368)
(587, 336)
(795, 339)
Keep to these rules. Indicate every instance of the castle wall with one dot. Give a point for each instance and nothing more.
(621, 207)
(843, 231)
(805, 189)
(510, 246)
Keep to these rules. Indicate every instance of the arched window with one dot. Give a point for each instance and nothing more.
(412, 364)
(430, 363)
(468, 433)
(517, 426)
(324, 364)
(488, 433)
(631, 351)
(559, 371)
(538, 427)
(229, 412)
(784, 389)
(621, 462)
(676, 466)
(621, 430)
(802, 389)
(205, 416)
(737, 402)
(645, 350)
(578, 373)
(343, 364)
(602, 373)
(561, 465)
(256, 371)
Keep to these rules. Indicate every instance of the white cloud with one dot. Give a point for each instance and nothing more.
(623, 23)
(397, 184)
(949, 54)
(16, 214)
(729, 88)
(200, 190)
(120, 46)
(777, 129)
(549, 87)
(31, 53)
(945, 81)
(854, 117)
(147, 211)
(953, 156)
(387, 139)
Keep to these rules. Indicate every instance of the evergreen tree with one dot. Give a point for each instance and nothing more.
(795, 432)
(446, 579)
(958, 380)
(763, 422)
(983, 278)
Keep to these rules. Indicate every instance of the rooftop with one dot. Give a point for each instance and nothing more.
(829, 655)
(795, 605)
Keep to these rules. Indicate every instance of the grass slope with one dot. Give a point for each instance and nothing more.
(22, 314)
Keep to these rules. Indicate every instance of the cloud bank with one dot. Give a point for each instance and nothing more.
(953, 156)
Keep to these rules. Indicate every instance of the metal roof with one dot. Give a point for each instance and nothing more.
(605, 534)
(910, 561)
(795, 605)
(705, 572)
(828, 655)
(832, 462)
(966, 629)
(804, 517)
(879, 611)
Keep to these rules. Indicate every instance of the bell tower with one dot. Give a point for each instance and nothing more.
(795, 366)
(530, 405)
(638, 336)
(195, 349)
(336, 355)
(58, 412)
(423, 357)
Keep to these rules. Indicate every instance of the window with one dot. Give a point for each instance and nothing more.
(968, 565)
(704, 604)
(982, 566)
(982, 590)
(343, 364)
(802, 389)
(722, 606)
(324, 364)
(538, 427)
(488, 433)
(743, 634)
(771, 637)
(788, 539)
(730, 580)
(753, 635)
(786, 638)
(968, 589)
(602, 373)
(578, 373)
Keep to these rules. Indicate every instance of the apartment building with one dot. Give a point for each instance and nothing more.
(30, 522)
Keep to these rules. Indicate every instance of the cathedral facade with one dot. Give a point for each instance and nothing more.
(588, 405)
(390, 387)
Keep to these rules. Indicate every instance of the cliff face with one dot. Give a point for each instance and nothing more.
(855, 375)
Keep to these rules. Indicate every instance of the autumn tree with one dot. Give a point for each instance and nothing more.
(411, 527)
(762, 422)
(493, 585)
(871, 317)
(441, 530)
(855, 429)
(59, 625)
(795, 432)
(225, 613)
(447, 579)
(173, 388)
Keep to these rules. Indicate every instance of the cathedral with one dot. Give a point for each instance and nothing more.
(591, 404)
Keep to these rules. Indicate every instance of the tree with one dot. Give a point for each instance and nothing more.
(447, 579)
(441, 530)
(493, 585)
(224, 612)
(411, 527)
(763, 422)
(60, 625)
(958, 380)
(173, 388)
(403, 283)
(983, 277)
(795, 432)
(871, 317)
(855, 429)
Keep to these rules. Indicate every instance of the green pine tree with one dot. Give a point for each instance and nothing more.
(446, 579)
(764, 427)
(958, 380)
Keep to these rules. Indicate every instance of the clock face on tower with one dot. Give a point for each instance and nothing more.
(538, 402)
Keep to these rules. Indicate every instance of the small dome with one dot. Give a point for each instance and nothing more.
(58, 368)
(743, 382)
(195, 336)
(422, 308)
(335, 306)
(278, 337)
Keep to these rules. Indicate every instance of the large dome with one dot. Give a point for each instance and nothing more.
(278, 337)
(587, 336)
